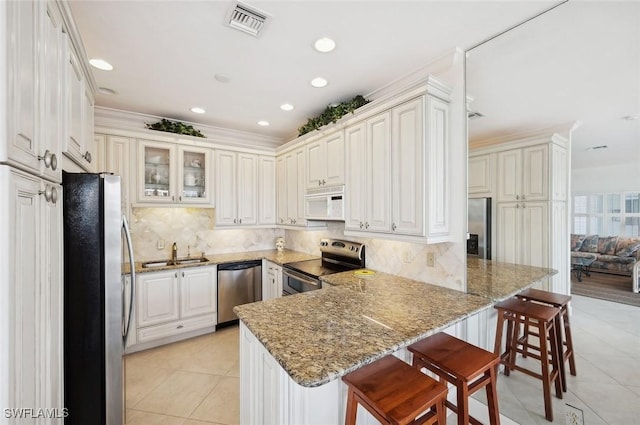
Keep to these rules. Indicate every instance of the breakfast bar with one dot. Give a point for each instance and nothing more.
(294, 349)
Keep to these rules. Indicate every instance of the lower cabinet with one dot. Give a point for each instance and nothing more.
(271, 280)
(174, 304)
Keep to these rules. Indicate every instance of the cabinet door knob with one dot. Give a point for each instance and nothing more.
(176, 274)
(54, 195)
(361, 225)
(87, 156)
(50, 160)
(366, 225)
(517, 197)
(182, 274)
(235, 221)
(240, 221)
(179, 326)
(517, 205)
(180, 198)
(323, 182)
(393, 226)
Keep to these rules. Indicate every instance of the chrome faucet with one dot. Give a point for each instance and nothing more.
(174, 252)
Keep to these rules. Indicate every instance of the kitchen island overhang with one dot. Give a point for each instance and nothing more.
(295, 349)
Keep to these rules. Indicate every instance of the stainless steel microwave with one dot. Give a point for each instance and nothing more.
(324, 203)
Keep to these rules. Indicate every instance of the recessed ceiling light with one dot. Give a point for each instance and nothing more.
(324, 45)
(107, 91)
(101, 64)
(197, 110)
(319, 82)
(222, 78)
(286, 107)
(632, 117)
(263, 123)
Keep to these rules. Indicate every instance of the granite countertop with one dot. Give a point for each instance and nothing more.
(273, 255)
(499, 281)
(321, 335)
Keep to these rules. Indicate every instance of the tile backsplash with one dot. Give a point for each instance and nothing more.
(194, 228)
(400, 258)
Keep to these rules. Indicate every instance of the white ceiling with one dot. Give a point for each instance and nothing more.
(166, 54)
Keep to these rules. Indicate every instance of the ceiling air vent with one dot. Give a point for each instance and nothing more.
(474, 115)
(247, 19)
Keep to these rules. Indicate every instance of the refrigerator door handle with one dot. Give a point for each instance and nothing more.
(127, 322)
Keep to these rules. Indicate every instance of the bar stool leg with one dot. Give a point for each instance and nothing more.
(492, 397)
(352, 407)
(556, 359)
(462, 403)
(569, 340)
(557, 326)
(546, 385)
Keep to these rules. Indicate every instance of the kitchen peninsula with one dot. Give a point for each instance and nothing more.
(294, 349)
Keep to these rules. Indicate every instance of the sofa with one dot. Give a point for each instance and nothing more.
(612, 254)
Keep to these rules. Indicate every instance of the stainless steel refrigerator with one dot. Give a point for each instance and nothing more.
(97, 304)
(479, 228)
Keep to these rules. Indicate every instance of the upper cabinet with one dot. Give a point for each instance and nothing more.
(168, 173)
(523, 174)
(397, 173)
(325, 160)
(78, 141)
(481, 175)
(236, 188)
(35, 87)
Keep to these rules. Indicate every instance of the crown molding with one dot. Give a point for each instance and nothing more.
(562, 131)
(134, 121)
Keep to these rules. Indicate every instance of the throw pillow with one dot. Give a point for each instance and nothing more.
(590, 244)
(627, 247)
(576, 242)
(607, 245)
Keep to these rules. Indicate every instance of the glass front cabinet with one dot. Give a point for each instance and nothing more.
(173, 174)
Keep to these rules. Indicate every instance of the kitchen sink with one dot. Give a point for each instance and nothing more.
(180, 262)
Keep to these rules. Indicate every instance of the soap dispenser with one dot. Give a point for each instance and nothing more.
(174, 252)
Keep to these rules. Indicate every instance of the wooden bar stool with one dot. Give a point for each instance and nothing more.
(518, 312)
(466, 366)
(562, 302)
(395, 393)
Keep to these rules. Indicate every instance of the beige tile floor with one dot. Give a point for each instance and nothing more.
(191, 382)
(195, 382)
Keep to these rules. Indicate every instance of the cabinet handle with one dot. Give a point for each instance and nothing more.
(393, 226)
(295, 220)
(517, 205)
(235, 221)
(323, 182)
(176, 274)
(179, 326)
(180, 198)
(366, 225)
(50, 160)
(517, 197)
(319, 182)
(361, 225)
(239, 221)
(50, 194)
(87, 156)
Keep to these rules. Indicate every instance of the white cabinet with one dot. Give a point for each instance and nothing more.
(78, 141)
(523, 174)
(368, 158)
(325, 161)
(271, 280)
(35, 88)
(173, 174)
(397, 172)
(30, 290)
(523, 233)
(175, 302)
(117, 160)
(481, 177)
(236, 188)
(267, 190)
(291, 168)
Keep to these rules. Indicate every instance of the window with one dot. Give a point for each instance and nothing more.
(607, 214)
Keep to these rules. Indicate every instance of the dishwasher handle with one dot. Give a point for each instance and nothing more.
(239, 266)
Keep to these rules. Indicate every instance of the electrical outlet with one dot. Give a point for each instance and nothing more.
(431, 259)
(573, 415)
(406, 256)
(160, 244)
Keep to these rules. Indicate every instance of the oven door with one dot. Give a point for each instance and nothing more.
(294, 282)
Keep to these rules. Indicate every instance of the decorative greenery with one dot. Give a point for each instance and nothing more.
(175, 127)
(332, 114)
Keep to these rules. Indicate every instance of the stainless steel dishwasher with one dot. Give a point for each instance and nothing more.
(238, 283)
